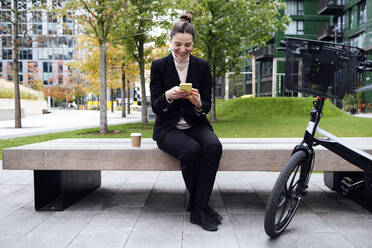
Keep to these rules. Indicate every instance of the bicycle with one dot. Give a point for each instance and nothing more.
(322, 69)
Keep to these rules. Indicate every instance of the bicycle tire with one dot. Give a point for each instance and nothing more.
(293, 194)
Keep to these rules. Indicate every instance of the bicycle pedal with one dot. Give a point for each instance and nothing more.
(347, 185)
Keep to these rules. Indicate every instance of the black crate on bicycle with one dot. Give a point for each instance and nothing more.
(320, 68)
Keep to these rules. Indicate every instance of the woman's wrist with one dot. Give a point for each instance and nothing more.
(199, 106)
(168, 96)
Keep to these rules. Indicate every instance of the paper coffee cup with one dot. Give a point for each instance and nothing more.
(136, 139)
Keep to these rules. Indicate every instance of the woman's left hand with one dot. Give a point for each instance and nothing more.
(194, 98)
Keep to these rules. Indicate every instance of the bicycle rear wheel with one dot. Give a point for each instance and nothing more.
(286, 195)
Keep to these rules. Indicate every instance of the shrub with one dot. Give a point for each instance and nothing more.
(7, 91)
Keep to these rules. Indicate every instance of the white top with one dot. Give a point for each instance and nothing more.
(182, 67)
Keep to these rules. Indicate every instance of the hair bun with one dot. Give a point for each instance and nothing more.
(186, 18)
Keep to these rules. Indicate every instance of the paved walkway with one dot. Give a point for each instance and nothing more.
(147, 209)
(62, 120)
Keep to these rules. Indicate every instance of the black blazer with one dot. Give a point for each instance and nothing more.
(163, 77)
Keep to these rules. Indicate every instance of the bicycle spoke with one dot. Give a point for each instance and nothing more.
(294, 175)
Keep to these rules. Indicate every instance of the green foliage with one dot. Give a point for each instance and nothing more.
(282, 117)
(268, 107)
(226, 28)
(349, 102)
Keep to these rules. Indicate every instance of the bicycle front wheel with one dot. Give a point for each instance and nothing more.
(286, 195)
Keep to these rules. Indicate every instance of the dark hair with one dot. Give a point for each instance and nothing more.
(184, 25)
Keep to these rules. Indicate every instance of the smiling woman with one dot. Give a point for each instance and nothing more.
(181, 127)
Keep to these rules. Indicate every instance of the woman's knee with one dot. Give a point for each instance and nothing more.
(214, 146)
(190, 153)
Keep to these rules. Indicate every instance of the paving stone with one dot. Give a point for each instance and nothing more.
(16, 200)
(57, 231)
(108, 229)
(7, 240)
(22, 221)
(250, 232)
(161, 228)
(322, 239)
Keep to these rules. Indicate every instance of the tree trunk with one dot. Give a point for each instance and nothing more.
(123, 91)
(128, 97)
(103, 94)
(17, 94)
(112, 100)
(213, 107)
(141, 64)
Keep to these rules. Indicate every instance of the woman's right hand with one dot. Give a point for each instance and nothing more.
(176, 93)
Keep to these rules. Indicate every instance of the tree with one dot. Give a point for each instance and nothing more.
(88, 65)
(142, 17)
(98, 19)
(226, 28)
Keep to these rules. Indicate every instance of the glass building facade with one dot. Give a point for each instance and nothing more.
(46, 41)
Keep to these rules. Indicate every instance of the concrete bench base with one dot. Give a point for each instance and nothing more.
(67, 169)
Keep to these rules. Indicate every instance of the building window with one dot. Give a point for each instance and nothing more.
(37, 29)
(267, 68)
(25, 42)
(22, 28)
(52, 17)
(20, 77)
(67, 18)
(20, 67)
(25, 54)
(7, 41)
(67, 31)
(52, 28)
(47, 67)
(22, 4)
(1, 66)
(39, 2)
(295, 28)
(295, 7)
(340, 23)
(60, 68)
(7, 53)
(362, 12)
(351, 19)
(6, 4)
(37, 17)
(357, 40)
(5, 28)
(5, 16)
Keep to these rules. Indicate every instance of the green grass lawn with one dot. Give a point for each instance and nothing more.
(240, 118)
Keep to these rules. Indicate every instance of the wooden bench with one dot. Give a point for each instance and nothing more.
(67, 169)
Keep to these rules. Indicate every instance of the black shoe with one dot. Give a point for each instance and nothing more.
(214, 215)
(201, 218)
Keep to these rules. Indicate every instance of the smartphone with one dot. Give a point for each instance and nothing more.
(186, 86)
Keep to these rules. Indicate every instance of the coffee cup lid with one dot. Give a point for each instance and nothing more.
(135, 134)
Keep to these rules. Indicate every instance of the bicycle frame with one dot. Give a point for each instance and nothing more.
(350, 153)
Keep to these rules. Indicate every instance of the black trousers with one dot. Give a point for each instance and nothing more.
(199, 151)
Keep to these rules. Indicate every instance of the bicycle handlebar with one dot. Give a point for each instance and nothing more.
(366, 65)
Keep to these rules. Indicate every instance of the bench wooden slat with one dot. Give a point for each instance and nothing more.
(266, 154)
